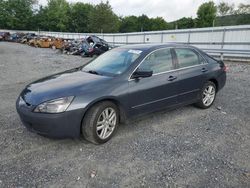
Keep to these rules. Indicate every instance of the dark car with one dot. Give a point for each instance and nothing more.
(122, 83)
(15, 37)
(90, 46)
(95, 47)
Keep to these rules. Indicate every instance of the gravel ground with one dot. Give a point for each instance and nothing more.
(186, 147)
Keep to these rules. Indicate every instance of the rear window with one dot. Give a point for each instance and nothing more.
(209, 58)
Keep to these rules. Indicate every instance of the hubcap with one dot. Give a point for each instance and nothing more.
(106, 123)
(208, 95)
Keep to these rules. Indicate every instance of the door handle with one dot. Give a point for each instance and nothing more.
(204, 70)
(171, 78)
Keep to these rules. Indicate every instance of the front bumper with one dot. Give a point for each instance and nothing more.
(61, 125)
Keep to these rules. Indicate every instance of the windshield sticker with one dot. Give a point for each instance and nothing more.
(135, 51)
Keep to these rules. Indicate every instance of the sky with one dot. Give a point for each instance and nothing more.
(170, 10)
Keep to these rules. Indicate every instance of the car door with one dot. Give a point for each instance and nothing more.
(159, 90)
(192, 69)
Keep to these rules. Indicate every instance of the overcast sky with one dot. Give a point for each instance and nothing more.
(170, 10)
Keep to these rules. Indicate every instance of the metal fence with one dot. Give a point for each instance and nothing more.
(230, 42)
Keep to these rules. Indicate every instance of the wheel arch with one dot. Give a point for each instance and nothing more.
(215, 82)
(122, 112)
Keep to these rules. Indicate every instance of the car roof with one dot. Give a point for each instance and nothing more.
(151, 46)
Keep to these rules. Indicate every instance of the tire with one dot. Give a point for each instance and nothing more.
(91, 125)
(205, 93)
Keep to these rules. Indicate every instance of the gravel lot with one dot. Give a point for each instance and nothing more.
(186, 147)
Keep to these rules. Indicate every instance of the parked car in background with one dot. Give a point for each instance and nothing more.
(122, 83)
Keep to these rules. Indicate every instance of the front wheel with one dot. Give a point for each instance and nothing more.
(208, 94)
(100, 122)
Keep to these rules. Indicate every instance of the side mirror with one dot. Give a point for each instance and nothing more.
(141, 74)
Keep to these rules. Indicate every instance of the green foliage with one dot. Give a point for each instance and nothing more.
(228, 15)
(129, 24)
(16, 14)
(56, 15)
(243, 9)
(206, 14)
(158, 23)
(80, 17)
(224, 9)
(103, 19)
(142, 23)
(185, 23)
(3, 14)
(239, 19)
(59, 15)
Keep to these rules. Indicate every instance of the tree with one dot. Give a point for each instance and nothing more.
(157, 24)
(80, 17)
(16, 14)
(3, 14)
(55, 16)
(144, 23)
(243, 9)
(103, 19)
(129, 24)
(224, 9)
(185, 23)
(206, 14)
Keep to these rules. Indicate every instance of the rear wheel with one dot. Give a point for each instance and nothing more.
(100, 122)
(208, 95)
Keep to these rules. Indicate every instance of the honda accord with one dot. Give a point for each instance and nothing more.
(92, 100)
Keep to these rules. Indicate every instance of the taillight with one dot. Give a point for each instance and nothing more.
(225, 68)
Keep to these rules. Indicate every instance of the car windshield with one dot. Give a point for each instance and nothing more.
(113, 62)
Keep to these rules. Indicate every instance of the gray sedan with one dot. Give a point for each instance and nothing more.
(128, 81)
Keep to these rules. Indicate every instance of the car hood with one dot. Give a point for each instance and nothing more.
(69, 83)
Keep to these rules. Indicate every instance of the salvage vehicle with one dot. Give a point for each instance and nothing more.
(57, 43)
(4, 36)
(96, 46)
(125, 82)
(27, 37)
(33, 42)
(91, 46)
(72, 47)
(44, 42)
(15, 37)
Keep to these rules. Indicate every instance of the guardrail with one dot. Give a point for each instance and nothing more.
(226, 42)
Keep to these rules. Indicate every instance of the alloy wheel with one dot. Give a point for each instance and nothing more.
(106, 123)
(208, 95)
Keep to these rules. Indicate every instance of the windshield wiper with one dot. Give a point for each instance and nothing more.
(93, 72)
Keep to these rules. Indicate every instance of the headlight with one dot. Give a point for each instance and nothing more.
(54, 106)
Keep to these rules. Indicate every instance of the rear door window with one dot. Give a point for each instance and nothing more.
(187, 57)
